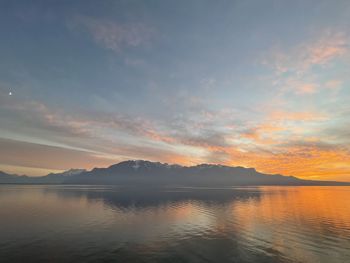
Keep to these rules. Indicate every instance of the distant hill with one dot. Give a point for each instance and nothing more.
(145, 173)
(52, 178)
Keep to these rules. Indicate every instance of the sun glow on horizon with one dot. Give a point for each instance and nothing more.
(84, 87)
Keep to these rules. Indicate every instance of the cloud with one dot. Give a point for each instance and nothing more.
(120, 136)
(37, 117)
(280, 115)
(333, 84)
(308, 88)
(298, 69)
(33, 155)
(263, 134)
(330, 46)
(109, 137)
(281, 142)
(301, 58)
(114, 35)
(299, 158)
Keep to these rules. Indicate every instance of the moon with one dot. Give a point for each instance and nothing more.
(10, 93)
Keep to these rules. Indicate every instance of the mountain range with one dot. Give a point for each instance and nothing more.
(146, 173)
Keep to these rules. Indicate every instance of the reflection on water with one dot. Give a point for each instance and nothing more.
(111, 224)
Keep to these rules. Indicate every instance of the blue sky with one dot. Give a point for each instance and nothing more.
(260, 84)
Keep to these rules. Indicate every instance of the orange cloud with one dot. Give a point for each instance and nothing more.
(309, 162)
(268, 146)
(327, 48)
(297, 116)
(307, 89)
(264, 133)
(279, 127)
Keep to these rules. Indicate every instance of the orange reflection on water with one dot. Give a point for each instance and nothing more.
(309, 205)
(297, 220)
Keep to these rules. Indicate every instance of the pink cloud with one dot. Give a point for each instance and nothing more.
(308, 88)
(296, 69)
(329, 47)
(301, 58)
(333, 84)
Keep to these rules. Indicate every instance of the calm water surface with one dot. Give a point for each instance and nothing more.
(117, 224)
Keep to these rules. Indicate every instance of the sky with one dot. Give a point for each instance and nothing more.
(261, 84)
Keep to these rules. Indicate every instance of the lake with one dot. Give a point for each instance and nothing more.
(47, 223)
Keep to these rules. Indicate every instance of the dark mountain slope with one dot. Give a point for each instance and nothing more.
(145, 173)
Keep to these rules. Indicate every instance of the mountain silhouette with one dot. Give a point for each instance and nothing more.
(146, 173)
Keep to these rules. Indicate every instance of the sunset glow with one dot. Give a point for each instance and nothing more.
(250, 83)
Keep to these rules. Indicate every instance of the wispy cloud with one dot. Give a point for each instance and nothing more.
(114, 35)
(48, 157)
(301, 58)
(281, 115)
(272, 144)
(295, 69)
(105, 138)
(330, 46)
(307, 88)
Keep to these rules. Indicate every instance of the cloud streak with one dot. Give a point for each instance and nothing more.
(100, 139)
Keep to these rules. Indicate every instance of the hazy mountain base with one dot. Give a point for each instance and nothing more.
(147, 173)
